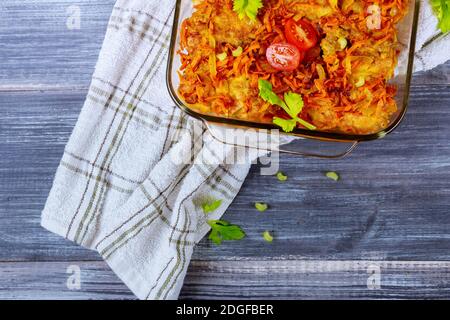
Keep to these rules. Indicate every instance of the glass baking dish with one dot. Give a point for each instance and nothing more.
(407, 30)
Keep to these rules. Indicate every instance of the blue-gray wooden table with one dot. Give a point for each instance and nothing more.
(383, 231)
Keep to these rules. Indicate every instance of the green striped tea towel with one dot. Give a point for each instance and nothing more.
(133, 172)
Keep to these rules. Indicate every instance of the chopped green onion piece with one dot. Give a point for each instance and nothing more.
(237, 52)
(342, 43)
(261, 207)
(393, 12)
(267, 236)
(281, 176)
(222, 56)
(333, 175)
(361, 81)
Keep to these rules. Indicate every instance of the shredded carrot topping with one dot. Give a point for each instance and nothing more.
(343, 81)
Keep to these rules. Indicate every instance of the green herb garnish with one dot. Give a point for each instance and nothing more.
(223, 230)
(333, 175)
(211, 206)
(222, 56)
(292, 104)
(342, 43)
(266, 93)
(261, 207)
(281, 176)
(247, 8)
(442, 11)
(237, 52)
(267, 236)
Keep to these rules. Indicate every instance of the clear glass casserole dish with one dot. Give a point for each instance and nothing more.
(407, 30)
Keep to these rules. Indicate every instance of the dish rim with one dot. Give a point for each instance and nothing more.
(298, 132)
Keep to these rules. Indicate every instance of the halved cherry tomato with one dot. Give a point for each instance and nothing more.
(284, 56)
(301, 34)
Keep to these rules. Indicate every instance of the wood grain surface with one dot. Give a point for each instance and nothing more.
(390, 210)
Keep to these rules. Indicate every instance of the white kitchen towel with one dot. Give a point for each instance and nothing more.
(136, 168)
(432, 47)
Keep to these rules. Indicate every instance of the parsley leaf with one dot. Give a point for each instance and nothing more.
(223, 230)
(215, 237)
(442, 11)
(295, 105)
(211, 206)
(247, 8)
(286, 125)
(292, 104)
(306, 124)
(266, 93)
(261, 207)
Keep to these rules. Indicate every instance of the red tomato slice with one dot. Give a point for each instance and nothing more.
(301, 34)
(284, 56)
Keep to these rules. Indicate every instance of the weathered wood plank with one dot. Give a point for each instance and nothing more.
(392, 202)
(439, 75)
(255, 279)
(39, 52)
(49, 281)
